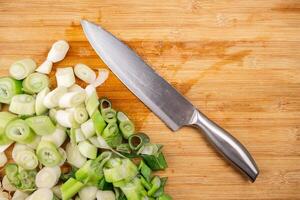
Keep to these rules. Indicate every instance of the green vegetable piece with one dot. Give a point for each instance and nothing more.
(112, 135)
(41, 125)
(145, 183)
(71, 174)
(35, 82)
(134, 190)
(155, 162)
(22, 68)
(48, 154)
(105, 103)
(119, 194)
(11, 170)
(145, 170)
(22, 104)
(17, 130)
(103, 185)
(9, 87)
(155, 182)
(92, 103)
(137, 141)
(87, 149)
(109, 115)
(124, 148)
(99, 123)
(40, 108)
(5, 118)
(70, 188)
(165, 197)
(160, 190)
(126, 126)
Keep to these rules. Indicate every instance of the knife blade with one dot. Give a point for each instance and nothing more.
(163, 99)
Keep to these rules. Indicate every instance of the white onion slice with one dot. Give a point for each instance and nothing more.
(85, 73)
(58, 51)
(45, 67)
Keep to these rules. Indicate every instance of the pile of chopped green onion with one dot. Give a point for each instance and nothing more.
(68, 143)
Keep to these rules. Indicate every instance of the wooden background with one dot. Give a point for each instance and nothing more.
(238, 61)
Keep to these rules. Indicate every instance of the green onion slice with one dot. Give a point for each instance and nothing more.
(124, 148)
(27, 159)
(88, 192)
(52, 98)
(91, 101)
(22, 68)
(9, 87)
(87, 149)
(136, 141)
(5, 118)
(112, 135)
(58, 136)
(85, 73)
(70, 188)
(42, 193)
(145, 170)
(101, 78)
(156, 183)
(45, 67)
(134, 189)
(99, 122)
(80, 114)
(155, 162)
(108, 195)
(109, 115)
(88, 128)
(41, 125)
(58, 51)
(47, 177)
(65, 76)
(40, 108)
(66, 119)
(48, 154)
(22, 104)
(74, 157)
(35, 82)
(72, 99)
(19, 131)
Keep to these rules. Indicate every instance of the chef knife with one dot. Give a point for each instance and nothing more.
(164, 100)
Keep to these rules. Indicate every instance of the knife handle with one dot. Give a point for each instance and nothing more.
(226, 145)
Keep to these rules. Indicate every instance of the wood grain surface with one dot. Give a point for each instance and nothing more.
(238, 61)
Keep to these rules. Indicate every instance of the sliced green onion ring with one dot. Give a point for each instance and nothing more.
(70, 188)
(99, 122)
(22, 104)
(72, 99)
(5, 118)
(65, 76)
(76, 88)
(47, 177)
(19, 131)
(48, 154)
(34, 143)
(66, 119)
(88, 128)
(41, 125)
(126, 126)
(109, 195)
(109, 115)
(40, 108)
(101, 78)
(27, 159)
(58, 51)
(9, 87)
(19, 195)
(42, 193)
(88, 193)
(87, 149)
(74, 157)
(112, 135)
(85, 73)
(91, 101)
(58, 137)
(22, 68)
(79, 136)
(52, 98)
(136, 141)
(35, 82)
(80, 114)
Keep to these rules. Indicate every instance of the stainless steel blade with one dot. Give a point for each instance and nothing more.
(163, 99)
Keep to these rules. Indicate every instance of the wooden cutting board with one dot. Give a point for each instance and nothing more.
(238, 61)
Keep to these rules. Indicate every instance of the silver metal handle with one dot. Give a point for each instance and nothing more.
(226, 145)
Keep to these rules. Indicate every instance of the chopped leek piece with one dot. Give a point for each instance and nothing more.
(124, 148)
(155, 182)
(145, 170)
(35, 82)
(70, 188)
(134, 190)
(88, 193)
(58, 137)
(91, 101)
(22, 68)
(160, 190)
(105, 195)
(52, 98)
(79, 136)
(7, 185)
(11, 171)
(42, 193)
(136, 141)
(3, 159)
(99, 122)
(65, 76)
(45, 67)
(19, 195)
(19, 148)
(5, 118)
(58, 51)
(63, 154)
(119, 170)
(101, 78)
(22, 104)
(27, 159)
(41, 125)
(80, 114)
(76, 88)
(105, 104)
(9, 87)
(103, 185)
(34, 143)
(87, 149)
(145, 183)
(52, 114)
(69, 174)
(155, 162)
(149, 149)
(48, 154)
(19, 131)
(109, 115)
(85, 73)
(40, 108)
(126, 126)
(47, 177)
(72, 99)
(112, 135)
(74, 157)
(66, 119)
(88, 128)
